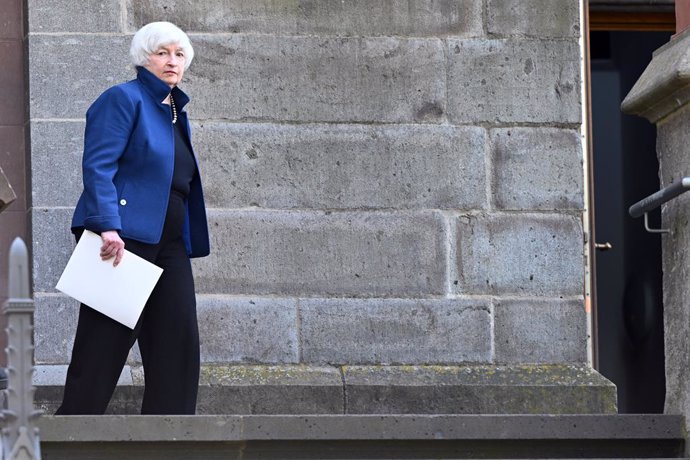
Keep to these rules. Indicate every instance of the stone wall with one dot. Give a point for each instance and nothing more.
(396, 182)
(662, 95)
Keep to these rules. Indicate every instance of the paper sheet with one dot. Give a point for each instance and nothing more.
(118, 292)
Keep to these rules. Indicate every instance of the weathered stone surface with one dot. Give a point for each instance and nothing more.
(268, 78)
(533, 429)
(46, 375)
(536, 81)
(55, 322)
(68, 72)
(257, 77)
(246, 329)
(347, 331)
(270, 390)
(672, 141)
(244, 437)
(536, 168)
(324, 253)
(540, 331)
(52, 246)
(533, 18)
(69, 16)
(664, 86)
(312, 17)
(230, 390)
(552, 389)
(525, 254)
(477, 389)
(56, 151)
(341, 166)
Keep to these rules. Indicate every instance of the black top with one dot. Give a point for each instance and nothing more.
(185, 167)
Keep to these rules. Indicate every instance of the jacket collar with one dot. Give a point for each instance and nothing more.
(159, 89)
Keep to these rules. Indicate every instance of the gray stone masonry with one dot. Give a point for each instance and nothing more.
(662, 95)
(355, 254)
(544, 331)
(395, 331)
(533, 18)
(519, 254)
(389, 184)
(513, 81)
(379, 389)
(536, 168)
(339, 166)
(363, 437)
(314, 17)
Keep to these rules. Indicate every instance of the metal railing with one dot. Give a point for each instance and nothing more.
(653, 201)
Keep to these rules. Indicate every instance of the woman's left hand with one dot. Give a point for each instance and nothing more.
(113, 246)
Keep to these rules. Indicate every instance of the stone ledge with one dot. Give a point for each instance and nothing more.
(347, 436)
(664, 86)
(116, 428)
(303, 389)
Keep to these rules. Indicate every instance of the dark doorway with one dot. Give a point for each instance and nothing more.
(630, 342)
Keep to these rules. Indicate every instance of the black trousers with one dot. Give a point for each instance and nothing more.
(167, 332)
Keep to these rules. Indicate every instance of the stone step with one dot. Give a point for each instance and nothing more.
(321, 389)
(362, 436)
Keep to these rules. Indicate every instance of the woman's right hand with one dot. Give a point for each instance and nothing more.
(113, 246)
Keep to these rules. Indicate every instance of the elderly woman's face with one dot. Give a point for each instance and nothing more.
(167, 63)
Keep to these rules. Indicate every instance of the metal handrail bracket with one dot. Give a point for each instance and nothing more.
(653, 201)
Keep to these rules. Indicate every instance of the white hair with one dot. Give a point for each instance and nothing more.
(152, 36)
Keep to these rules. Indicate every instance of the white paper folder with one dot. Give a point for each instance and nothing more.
(118, 292)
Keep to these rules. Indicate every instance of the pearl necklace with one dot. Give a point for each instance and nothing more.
(174, 110)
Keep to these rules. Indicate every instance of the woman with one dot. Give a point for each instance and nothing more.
(142, 192)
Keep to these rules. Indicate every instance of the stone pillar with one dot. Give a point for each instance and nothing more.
(662, 95)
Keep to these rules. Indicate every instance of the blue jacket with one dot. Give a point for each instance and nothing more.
(129, 156)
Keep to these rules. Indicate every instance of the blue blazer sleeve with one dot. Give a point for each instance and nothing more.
(109, 123)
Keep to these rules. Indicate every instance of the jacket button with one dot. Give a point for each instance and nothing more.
(123, 202)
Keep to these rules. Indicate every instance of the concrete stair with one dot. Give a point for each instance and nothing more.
(361, 436)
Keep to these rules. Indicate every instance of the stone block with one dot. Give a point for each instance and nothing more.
(520, 81)
(521, 254)
(56, 152)
(540, 331)
(536, 168)
(348, 331)
(341, 166)
(52, 246)
(67, 16)
(270, 390)
(533, 18)
(562, 389)
(269, 78)
(313, 17)
(55, 323)
(236, 330)
(56, 374)
(65, 87)
(257, 77)
(324, 253)
(126, 399)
